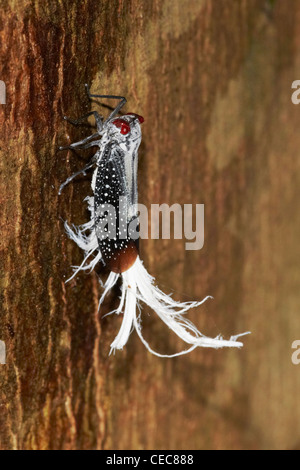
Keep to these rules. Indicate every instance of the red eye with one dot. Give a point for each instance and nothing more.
(122, 125)
(140, 118)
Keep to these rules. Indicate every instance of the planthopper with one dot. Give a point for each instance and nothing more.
(111, 236)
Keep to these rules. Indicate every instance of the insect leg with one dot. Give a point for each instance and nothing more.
(98, 119)
(68, 180)
(81, 144)
(113, 97)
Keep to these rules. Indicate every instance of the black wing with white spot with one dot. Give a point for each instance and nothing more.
(115, 209)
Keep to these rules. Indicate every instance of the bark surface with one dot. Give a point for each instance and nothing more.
(213, 80)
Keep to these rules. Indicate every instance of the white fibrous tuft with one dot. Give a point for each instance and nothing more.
(139, 286)
(85, 237)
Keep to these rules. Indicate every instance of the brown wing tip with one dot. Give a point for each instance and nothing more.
(122, 260)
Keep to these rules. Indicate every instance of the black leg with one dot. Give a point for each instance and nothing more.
(113, 97)
(81, 144)
(98, 119)
(68, 180)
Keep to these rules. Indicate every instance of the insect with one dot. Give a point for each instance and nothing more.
(109, 236)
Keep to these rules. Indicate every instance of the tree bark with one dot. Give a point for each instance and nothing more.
(213, 80)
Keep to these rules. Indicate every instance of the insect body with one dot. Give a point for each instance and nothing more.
(111, 235)
(116, 186)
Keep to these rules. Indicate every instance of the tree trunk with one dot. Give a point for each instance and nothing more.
(213, 80)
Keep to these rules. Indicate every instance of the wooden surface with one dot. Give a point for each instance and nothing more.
(213, 80)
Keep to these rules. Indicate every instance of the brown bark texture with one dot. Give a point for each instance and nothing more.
(213, 80)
